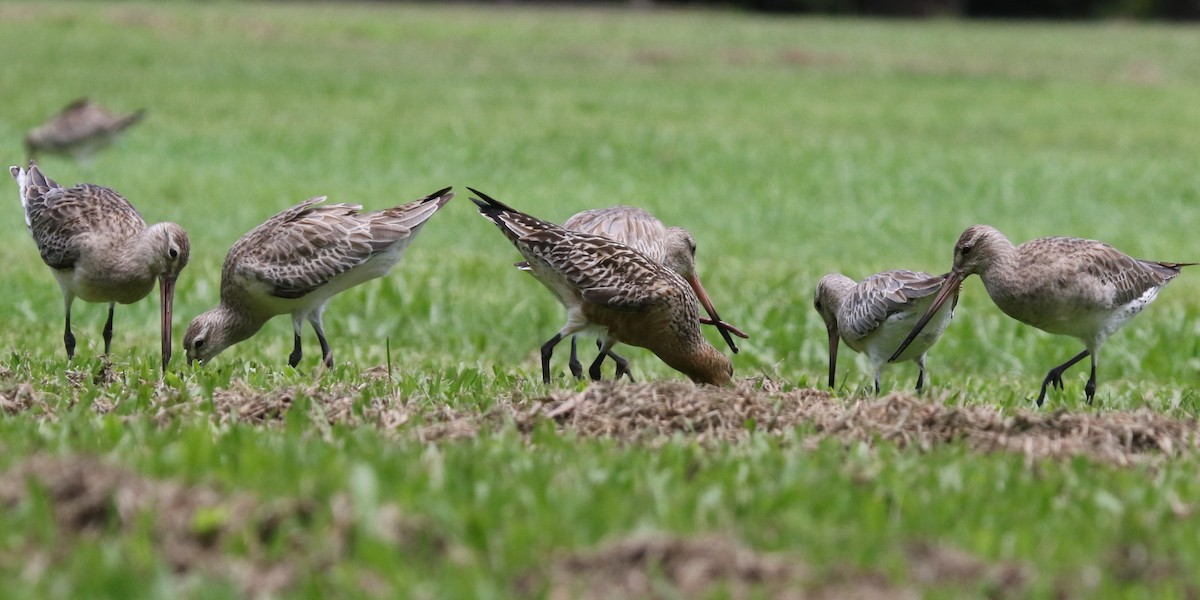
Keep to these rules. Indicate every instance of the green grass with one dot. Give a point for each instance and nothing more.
(788, 147)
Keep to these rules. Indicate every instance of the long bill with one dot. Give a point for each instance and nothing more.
(949, 288)
(721, 326)
(833, 349)
(166, 293)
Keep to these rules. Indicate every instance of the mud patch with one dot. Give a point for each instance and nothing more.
(671, 566)
(202, 529)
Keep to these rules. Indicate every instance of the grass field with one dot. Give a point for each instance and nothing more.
(432, 463)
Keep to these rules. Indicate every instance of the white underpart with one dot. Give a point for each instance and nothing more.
(22, 177)
(879, 345)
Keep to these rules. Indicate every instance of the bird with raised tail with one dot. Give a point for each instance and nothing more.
(79, 130)
(299, 259)
(100, 249)
(873, 316)
(673, 247)
(1075, 287)
(614, 291)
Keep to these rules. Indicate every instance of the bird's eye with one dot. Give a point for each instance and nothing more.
(173, 252)
(966, 250)
(198, 344)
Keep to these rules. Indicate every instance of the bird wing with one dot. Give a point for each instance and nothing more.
(59, 218)
(626, 224)
(1122, 278)
(304, 247)
(605, 271)
(879, 296)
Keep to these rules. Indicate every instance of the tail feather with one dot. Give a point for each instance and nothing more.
(487, 202)
(128, 120)
(1167, 270)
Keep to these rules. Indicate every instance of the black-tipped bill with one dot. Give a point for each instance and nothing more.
(949, 289)
(833, 350)
(702, 295)
(166, 292)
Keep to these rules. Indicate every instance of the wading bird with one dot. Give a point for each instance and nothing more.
(614, 291)
(79, 130)
(673, 247)
(1080, 288)
(299, 259)
(873, 315)
(100, 249)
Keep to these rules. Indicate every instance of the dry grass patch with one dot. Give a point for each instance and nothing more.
(655, 413)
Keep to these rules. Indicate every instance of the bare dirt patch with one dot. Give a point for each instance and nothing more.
(672, 566)
(194, 528)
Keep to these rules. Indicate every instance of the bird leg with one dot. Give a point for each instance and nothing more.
(1054, 377)
(108, 328)
(319, 327)
(622, 366)
(294, 357)
(576, 366)
(326, 351)
(605, 350)
(547, 352)
(1090, 388)
(68, 337)
(921, 373)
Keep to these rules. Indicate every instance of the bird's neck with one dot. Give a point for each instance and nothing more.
(146, 251)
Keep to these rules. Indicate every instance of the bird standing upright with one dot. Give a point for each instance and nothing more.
(100, 249)
(1080, 288)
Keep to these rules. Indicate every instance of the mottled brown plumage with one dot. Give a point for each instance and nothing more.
(673, 247)
(100, 249)
(873, 315)
(1066, 286)
(299, 259)
(79, 130)
(614, 290)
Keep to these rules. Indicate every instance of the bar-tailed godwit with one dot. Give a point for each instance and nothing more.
(299, 259)
(1080, 288)
(614, 291)
(79, 130)
(875, 314)
(100, 248)
(673, 247)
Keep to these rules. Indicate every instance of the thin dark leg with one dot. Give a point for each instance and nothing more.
(576, 366)
(921, 373)
(622, 366)
(294, 358)
(1054, 377)
(68, 337)
(547, 352)
(108, 327)
(876, 385)
(1090, 388)
(326, 352)
(594, 370)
